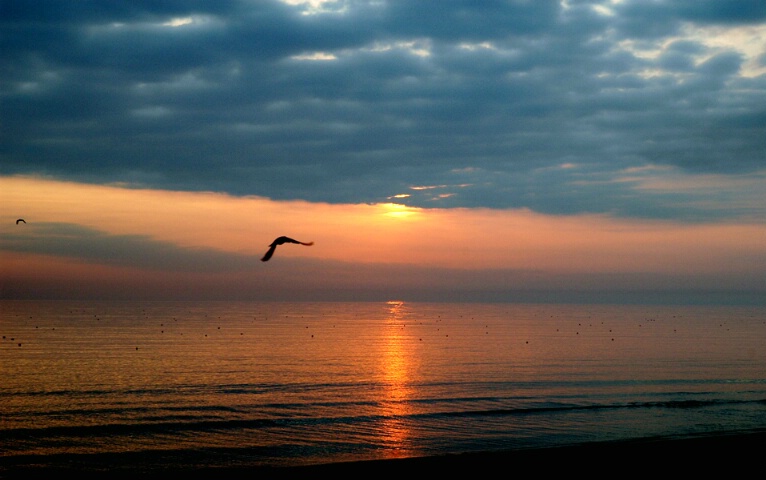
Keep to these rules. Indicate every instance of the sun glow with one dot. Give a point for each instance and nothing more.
(396, 210)
(384, 234)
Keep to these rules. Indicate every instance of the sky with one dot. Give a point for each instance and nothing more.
(553, 151)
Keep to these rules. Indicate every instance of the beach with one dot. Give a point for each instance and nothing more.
(733, 453)
(729, 453)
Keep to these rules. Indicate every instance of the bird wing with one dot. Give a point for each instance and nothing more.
(282, 240)
(269, 252)
(288, 240)
(20, 220)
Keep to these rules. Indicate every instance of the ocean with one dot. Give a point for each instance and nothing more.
(107, 384)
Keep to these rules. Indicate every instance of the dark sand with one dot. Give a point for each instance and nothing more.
(732, 455)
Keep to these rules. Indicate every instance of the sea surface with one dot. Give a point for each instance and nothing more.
(167, 384)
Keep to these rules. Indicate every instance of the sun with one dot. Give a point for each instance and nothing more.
(396, 210)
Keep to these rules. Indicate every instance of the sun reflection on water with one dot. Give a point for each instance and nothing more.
(396, 364)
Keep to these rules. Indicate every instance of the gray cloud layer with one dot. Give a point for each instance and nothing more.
(161, 270)
(346, 106)
(135, 251)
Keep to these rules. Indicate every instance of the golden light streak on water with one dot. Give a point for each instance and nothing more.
(396, 363)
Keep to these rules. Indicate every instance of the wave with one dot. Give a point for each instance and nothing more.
(298, 387)
(191, 422)
(671, 404)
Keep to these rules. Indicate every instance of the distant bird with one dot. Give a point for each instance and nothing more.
(20, 220)
(279, 241)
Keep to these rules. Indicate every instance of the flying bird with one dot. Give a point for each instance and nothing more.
(279, 241)
(20, 220)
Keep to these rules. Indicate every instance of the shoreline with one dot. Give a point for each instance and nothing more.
(730, 452)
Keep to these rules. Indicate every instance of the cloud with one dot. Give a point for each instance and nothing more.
(358, 101)
(62, 260)
(91, 246)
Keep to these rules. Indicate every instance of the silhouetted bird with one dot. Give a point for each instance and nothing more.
(20, 220)
(280, 241)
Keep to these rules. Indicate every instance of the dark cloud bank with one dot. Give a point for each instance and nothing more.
(503, 104)
(140, 267)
